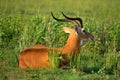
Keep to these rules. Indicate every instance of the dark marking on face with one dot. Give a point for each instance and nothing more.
(77, 30)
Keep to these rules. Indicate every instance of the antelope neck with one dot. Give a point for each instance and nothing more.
(72, 45)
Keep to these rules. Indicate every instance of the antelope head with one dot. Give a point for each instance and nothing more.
(78, 28)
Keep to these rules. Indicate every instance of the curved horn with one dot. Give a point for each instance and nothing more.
(65, 20)
(79, 19)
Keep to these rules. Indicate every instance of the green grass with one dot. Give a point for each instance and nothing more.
(28, 22)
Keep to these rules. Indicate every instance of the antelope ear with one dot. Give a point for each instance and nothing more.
(67, 30)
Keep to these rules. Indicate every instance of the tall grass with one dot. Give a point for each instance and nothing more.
(26, 23)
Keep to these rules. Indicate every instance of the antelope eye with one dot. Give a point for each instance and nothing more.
(84, 31)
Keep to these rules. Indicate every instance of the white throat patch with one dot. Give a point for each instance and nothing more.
(82, 29)
(81, 42)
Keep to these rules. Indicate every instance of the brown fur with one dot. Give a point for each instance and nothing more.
(37, 56)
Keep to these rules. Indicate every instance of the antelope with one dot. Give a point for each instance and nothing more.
(37, 56)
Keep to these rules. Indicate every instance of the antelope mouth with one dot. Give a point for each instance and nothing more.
(91, 39)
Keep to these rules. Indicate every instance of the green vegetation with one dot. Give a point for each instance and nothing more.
(28, 22)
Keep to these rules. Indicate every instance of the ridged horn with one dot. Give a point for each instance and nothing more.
(65, 20)
(79, 19)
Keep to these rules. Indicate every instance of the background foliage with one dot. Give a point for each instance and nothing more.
(28, 22)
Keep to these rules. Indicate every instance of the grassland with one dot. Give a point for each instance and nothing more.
(28, 22)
